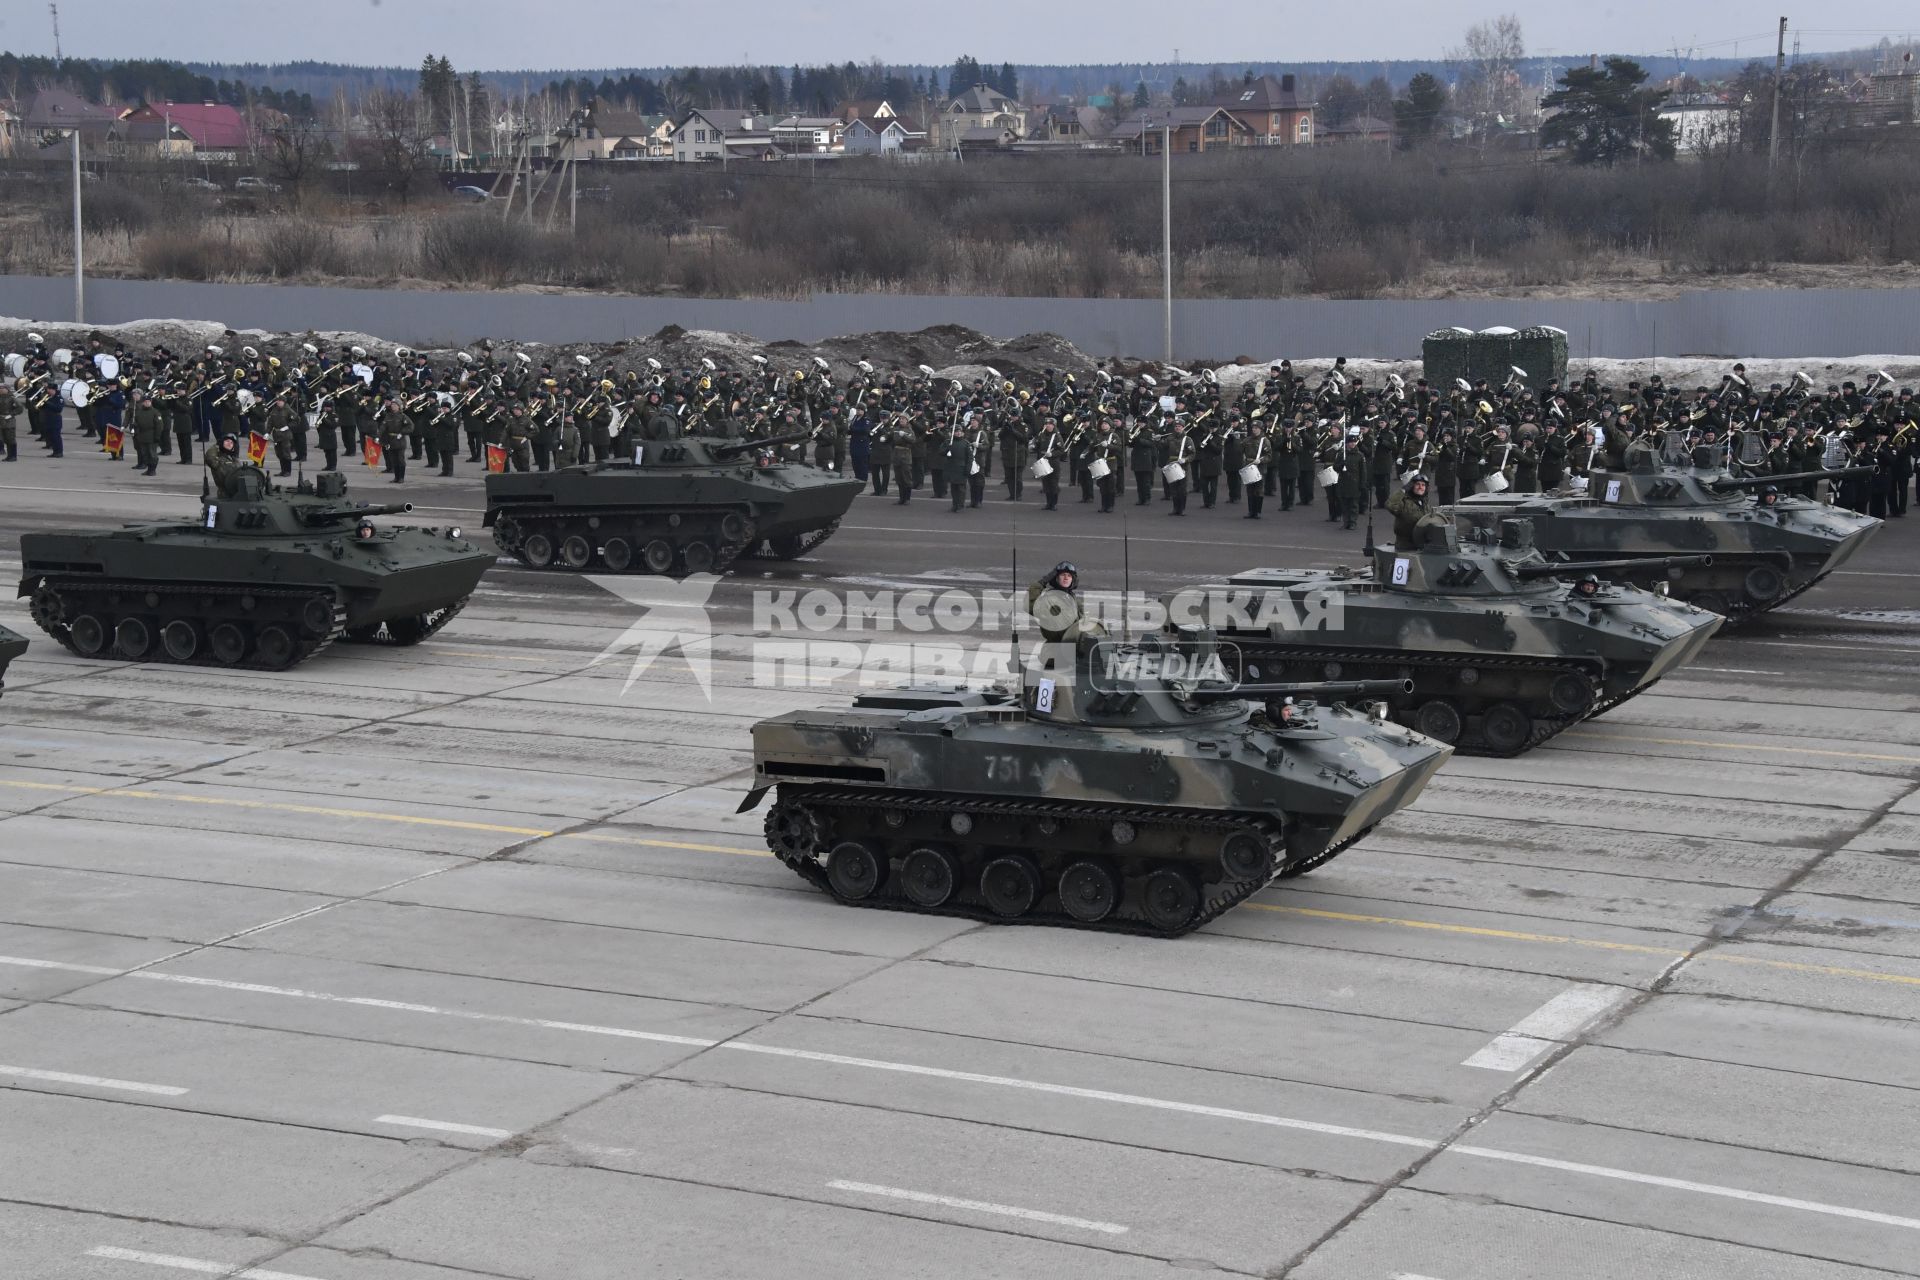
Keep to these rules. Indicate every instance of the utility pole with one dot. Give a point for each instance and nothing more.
(1166, 233)
(79, 269)
(1773, 133)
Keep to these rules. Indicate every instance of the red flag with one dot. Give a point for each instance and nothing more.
(370, 450)
(497, 459)
(116, 442)
(256, 448)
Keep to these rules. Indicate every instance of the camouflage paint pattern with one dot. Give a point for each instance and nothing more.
(1475, 622)
(681, 493)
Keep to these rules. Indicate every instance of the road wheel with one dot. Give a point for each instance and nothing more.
(1764, 583)
(657, 555)
(228, 643)
(697, 556)
(576, 552)
(1245, 856)
(1170, 899)
(854, 871)
(735, 528)
(537, 550)
(1439, 720)
(928, 876)
(1089, 891)
(1571, 693)
(180, 639)
(316, 616)
(1506, 728)
(89, 635)
(1010, 885)
(792, 831)
(618, 554)
(274, 647)
(133, 637)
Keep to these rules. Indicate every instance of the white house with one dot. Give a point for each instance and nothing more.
(880, 137)
(713, 134)
(1700, 127)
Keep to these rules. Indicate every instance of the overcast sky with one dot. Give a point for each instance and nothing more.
(518, 35)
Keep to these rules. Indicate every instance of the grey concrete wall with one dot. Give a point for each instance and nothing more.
(1832, 322)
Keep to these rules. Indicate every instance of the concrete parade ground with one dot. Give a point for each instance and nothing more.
(456, 961)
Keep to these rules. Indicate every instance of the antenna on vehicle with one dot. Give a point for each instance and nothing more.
(1126, 582)
(1013, 613)
(1367, 550)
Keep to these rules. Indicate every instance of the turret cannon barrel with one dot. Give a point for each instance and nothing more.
(1566, 568)
(732, 448)
(334, 515)
(1731, 483)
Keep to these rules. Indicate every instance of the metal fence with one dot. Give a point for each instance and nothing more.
(1729, 323)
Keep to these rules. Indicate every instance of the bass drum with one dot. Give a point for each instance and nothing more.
(16, 365)
(109, 366)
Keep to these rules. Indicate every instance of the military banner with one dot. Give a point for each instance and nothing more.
(370, 451)
(116, 442)
(497, 459)
(256, 448)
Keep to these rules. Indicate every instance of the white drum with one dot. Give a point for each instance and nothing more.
(973, 469)
(79, 394)
(16, 365)
(364, 372)
(245, 398)
(1040, 469)
(109, 366)
(1099, 469)
(1173, 472)
(1250, 474)
(1327, 476)
(62, 357)
(1495, 483)
(67, 386)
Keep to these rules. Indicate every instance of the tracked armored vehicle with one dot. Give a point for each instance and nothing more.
(1500, 648)
(1101, 794)
(266, 578)
(12, 645)
(1674, 499)
(686, 506)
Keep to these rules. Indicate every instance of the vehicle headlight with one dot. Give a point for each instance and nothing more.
(453, 534)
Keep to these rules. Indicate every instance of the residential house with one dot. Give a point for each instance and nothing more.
(867, 109)
(981, 108)
(970, 141)
(881, 136)
(213, 130)
(718, 134)
(1891, 98)
(1702, 126)
(1359, 129)
(1275, 110)
(61, 110)
(1194, 129)
(1067, 126)
(808, 135)
(615, 133)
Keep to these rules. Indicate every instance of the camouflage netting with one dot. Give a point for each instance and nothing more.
(1493, 354)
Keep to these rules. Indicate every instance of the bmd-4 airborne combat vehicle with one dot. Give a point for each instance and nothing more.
(685, 506)
(12, 645)
(1766, 548)
(1501, 648)
(1127, 801)
(265, 578)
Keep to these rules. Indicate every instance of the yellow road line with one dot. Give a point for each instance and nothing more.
(602, 837)
(1476, 931)
(1741, 746)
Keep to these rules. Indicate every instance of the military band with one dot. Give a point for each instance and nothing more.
(1281, 435)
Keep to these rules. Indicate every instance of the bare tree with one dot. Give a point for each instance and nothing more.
(295, 151)
(1490, 89)
(397, 142)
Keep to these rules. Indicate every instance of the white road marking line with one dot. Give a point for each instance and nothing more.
(1551, 1024)
(1092, 1095)
(978, 1206)
(92, 1082)
(1410, 1275)
(1735, 671)
(369, 1002)
(1041, 1086)
(235, 1271)
(444, 1126)
(1681, 1184)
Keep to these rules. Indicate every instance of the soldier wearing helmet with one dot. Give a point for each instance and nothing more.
(1408, 507)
